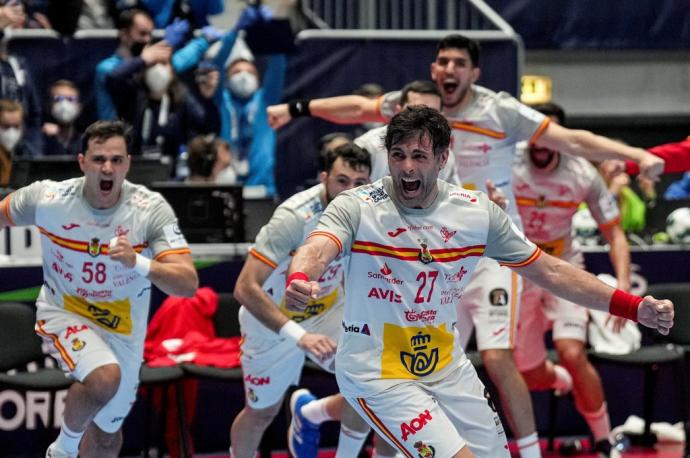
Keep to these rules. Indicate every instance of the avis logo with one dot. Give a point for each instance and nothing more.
(415, 425)
(397, 232)
(446, 234)
(257, 381)
(385, 295)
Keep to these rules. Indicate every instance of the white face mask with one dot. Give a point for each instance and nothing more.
(9, 137)
(158, 77)
(243, 84)
(65, 111)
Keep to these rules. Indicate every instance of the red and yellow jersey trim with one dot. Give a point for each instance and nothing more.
(529, 202)
(381, 427)
(412, 254)
(609, 224)
(542, 127)
(6, 209)
(82, 246)
(533, 257)
(478, 130)
(333, 238)
(165, 253)
(56, 342)
(262, 258)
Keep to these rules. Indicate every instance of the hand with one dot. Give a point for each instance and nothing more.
(252, 15)
(157, 53)
(50, 129)
(211, 34)
(278, 115)
(651, 167)
(323, 347)
(299, 293)
(122, 251)
(175, 32)
(617, 325)
(496, 195)
(656, 314)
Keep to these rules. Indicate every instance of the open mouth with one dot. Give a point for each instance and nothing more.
(449, 86)
(410, 185)
(106, 185)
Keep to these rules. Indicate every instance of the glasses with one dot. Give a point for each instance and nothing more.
(60, 98)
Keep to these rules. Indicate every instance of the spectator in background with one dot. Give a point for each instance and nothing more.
(97, 14)
(16, 82)
(60, 135)
(135, 48)
(195, 11)
(242, 99)
(632, 208)
(11, 145)
(210, 160)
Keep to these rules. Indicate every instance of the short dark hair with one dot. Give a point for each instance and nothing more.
(203, 153)
(420, 87)
(551, 109)
(65, 83)
(126, 19)
(100, 131)
(458, 41)
(351, 154)
(419, 121)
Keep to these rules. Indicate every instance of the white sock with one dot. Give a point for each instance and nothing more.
(349, 442)
(599, 422)
(315, 411)
(68, 440)
(529, 446)
(564, 381)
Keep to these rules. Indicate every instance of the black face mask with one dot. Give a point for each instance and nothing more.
(136, 48)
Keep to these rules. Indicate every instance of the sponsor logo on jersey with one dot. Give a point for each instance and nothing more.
(94, 248)
(447, 234)
(356, 328)
(424, 254)
(257, 381)
(412, 427)
(385, 274)
(385, 270)
(463, 195)
(70, 226)
(424, 450)
(498, 296)
(77, 344)
(386, 295)
(100, 294)
(427, 316)
(66, 275)
(373, 194)
(74, 329)
(456, 277)
(451, 295)
(396, 232)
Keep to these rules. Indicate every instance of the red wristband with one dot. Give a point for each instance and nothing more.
(296, 276)
(624, 304)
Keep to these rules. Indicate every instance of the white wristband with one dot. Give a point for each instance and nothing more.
(142, 266)
(292, 331)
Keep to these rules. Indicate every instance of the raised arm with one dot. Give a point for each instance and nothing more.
(597, 148)
(576, 285)
(345, 109)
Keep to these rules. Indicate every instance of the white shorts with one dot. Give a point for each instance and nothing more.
(437, 419)
(490, 304)
(270, 363)
(540, 310)
(80, 347)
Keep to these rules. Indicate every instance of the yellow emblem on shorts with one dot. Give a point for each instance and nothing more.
(114, 316)
(415, 352)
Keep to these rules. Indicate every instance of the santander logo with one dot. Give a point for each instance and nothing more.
(397, 232)
(385, 270)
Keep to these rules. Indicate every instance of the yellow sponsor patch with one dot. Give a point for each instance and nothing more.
(554, 248)
(470, 186)
(314, 308)
(115, 316)
(415, 352)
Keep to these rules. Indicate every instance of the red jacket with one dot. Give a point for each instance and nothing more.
(676, 155)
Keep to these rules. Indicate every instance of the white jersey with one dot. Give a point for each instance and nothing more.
(547, 201)
(408, 268)
(292, 221)
(373, 142)
(484, 138)
(79, 276)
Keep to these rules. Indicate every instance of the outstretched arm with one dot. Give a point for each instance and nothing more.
(345, 109)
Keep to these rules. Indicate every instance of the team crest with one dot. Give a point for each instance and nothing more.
(424, 254)
(77, 344)
(251, 395)
(94, 247)
(424, 451)
(541, 202)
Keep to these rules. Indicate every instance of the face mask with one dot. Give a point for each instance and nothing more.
(9, 137)
(65, 111)
(243, 84)
(158, 77)
(136, 48)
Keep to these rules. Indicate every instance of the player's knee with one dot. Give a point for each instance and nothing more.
(99, 440)
(262, 417)
(572, 356)
(103, 382)
(498, 360)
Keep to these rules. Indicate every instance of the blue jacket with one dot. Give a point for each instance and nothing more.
(679, 190)
(244, 123)
(162, 11)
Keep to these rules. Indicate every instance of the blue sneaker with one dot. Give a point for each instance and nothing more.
(303, 435)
